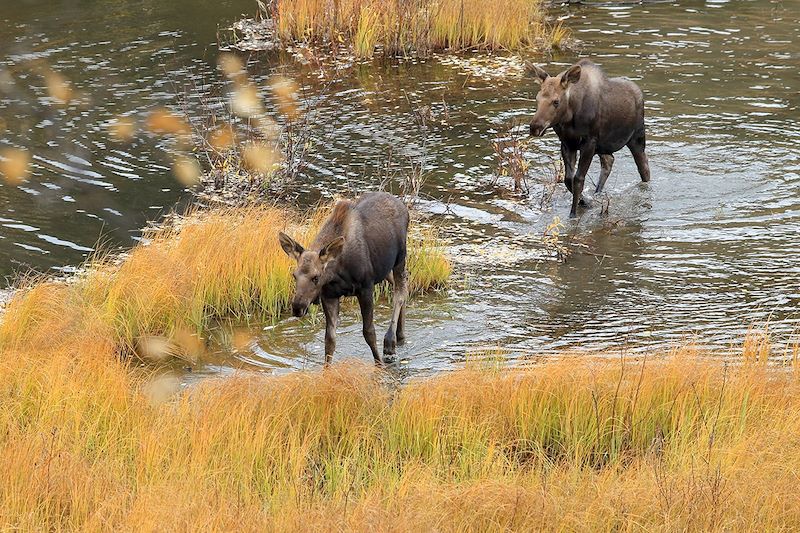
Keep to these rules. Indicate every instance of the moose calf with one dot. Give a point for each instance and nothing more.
(591, 114)
(362, 243)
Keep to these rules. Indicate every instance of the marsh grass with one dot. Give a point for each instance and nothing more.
(223, 263)
(417, 26)
(681, 442)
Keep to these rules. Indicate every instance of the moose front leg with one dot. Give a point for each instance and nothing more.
(365, 301)
(568, 155)
(585, 161)
(330, 306)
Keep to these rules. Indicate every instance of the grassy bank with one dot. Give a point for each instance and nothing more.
(91, 442)
(680, 443)
(398, 27)
(217, 264)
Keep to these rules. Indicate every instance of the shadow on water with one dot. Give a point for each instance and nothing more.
(708, 248)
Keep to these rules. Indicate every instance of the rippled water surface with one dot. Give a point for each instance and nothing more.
(706, 249)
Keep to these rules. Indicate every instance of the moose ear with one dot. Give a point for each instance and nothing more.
(290, 246)
(331, 250)
(572, 75)
(538, 73)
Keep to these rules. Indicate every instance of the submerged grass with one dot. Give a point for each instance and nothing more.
(421, 26)
(677, 443)
(223, 263)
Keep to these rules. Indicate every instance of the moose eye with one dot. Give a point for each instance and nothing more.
(555, 103)
(315, 280)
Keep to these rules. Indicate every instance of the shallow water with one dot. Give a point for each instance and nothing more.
(705, 250)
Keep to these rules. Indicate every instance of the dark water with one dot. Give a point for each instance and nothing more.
(705, 250)
(126, 58)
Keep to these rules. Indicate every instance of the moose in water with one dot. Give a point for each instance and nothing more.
(362, 243)
(591, 114)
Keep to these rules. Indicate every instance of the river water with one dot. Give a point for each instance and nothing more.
(705, 250)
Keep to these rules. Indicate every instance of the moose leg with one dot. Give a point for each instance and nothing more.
(401, 324)
(569, 156)
(366, 302)
(642, 164)
(399, 296)
(606, 162)
(636, 146)
(330, 306)
(587, 153)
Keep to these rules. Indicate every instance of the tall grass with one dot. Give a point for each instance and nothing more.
(89, 442)
(420, 26)
(679, 443)
(220, 263)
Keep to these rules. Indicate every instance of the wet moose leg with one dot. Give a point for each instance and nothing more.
(587, 153)
(606, 162)
(399, 296)
(366, 302)
(330, 306)
(569, 156)
(637, 146)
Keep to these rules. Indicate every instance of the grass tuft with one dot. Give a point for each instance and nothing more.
(223, 263)
(421, 26)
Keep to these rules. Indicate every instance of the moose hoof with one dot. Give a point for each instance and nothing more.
(389, 347)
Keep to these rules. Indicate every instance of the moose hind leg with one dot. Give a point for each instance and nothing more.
(367, 304)
(643, 165)
(396, 332)
(606, 162)
(637, 146)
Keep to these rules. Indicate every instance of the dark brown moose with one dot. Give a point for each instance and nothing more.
(362, 243)
(591, 114)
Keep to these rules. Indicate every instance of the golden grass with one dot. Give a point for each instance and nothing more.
(418, 25)
(675, 443)
(89, 442)
(220, 263)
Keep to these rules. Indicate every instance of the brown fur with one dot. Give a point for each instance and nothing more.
(340, 211)
(335, 225)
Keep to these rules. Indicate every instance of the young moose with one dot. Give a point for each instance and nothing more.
(591, 114)
(362, 243)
